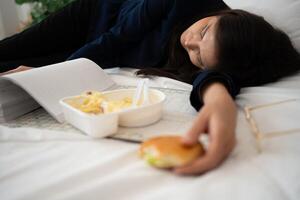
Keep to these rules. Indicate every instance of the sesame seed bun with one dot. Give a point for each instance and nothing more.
(168, 152)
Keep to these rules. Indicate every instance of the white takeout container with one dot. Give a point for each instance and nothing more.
(101, 125)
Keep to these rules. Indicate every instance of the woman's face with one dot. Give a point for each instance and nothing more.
(199, 42)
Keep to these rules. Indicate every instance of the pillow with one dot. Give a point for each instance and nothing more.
(283, 14)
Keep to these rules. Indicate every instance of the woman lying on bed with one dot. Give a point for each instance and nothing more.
(201, 42)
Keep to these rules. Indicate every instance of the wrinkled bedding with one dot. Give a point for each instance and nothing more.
(50, 164)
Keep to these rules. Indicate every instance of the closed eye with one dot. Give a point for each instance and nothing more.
(204, 30)
(202, 34)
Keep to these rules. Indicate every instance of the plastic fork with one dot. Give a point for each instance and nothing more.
(142, 89)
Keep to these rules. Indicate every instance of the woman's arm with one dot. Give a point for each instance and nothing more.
(217, 118)
(128, 31)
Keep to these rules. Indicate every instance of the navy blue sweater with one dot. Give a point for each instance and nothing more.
(135, 33)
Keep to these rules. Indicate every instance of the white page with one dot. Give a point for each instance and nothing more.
(47, 85)
(18, 110)
(14, 101)
(11, 93)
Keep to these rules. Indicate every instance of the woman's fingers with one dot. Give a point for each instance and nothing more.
(222, 142)
(18, 69)
(198, 127)
(8, 72)
(199, 166)
(214, 155)
(22, 68)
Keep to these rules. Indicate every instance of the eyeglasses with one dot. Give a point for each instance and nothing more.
(259, 136)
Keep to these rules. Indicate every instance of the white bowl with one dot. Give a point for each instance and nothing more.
(141, 115)
(101, 125)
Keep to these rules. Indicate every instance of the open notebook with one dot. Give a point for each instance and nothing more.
(47, 85)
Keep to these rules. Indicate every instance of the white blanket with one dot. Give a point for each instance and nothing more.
(43, 164)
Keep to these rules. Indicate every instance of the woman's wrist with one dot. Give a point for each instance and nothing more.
(215, 92)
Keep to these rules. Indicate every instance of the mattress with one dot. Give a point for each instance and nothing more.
(57, 162)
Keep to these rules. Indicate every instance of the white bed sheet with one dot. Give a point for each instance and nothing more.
(43, 164)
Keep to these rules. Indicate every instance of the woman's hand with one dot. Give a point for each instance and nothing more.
(18, 69)
(217, 118)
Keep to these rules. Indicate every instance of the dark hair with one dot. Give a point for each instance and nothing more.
(176, 62)
(252, 50)
(249, 49)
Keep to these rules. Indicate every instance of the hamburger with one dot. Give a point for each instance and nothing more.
(169, 152)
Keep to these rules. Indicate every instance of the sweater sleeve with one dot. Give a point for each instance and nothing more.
(128, 30)
(209, 76)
